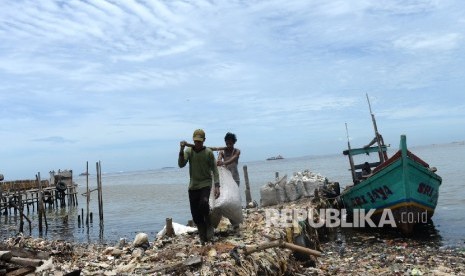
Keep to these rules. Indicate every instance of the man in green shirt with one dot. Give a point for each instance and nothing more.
(202, 172)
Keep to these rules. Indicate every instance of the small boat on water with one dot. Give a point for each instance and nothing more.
(403, 184)
(275, 158)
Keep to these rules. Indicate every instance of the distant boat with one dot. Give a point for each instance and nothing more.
(275, 157)
(84, 173)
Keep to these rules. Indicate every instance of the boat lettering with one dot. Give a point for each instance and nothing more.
(380, 193)
(372, 199)
(359, 200)
(384, 192)
(425, 189)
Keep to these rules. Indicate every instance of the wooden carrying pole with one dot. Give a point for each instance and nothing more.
(212, 148)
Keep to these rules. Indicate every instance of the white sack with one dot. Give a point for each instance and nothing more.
(301, 188)
(228, 204)
(310, 186)
(268, 195)
(281, 190)
(178, 230)
(291, 191)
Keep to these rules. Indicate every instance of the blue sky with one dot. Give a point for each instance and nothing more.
(124, 81)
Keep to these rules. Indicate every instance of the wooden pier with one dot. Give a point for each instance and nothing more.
(17, 195)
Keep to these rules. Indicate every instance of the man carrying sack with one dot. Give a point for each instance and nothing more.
(202, 165)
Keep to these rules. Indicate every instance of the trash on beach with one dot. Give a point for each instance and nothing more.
(179, 229)
(300, 185)
(257, 248)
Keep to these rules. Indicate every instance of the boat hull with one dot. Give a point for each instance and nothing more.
(404, 185)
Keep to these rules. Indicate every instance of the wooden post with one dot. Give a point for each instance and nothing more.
(88, 193)
(21, 209)
(15, 197)
(39, 203)
(27, 203)
(79, 221)
(276, 175)
(169, 227)
(1, 194)
(99, 190)
(248, 197)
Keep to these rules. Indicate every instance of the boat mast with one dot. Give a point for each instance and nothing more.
(379, 139)
(351, 160)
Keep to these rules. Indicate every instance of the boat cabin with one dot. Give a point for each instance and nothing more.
(364, 170)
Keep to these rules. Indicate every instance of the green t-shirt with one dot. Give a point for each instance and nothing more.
(201, 166)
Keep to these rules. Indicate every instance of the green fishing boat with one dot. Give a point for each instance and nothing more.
(401, 190)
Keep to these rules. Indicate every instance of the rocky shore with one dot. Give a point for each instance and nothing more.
(237, 253)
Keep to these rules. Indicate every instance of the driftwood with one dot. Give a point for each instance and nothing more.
(21, 271)
(170, 267)
(23, 265)
(280, 243)
(26, 261)
(254, 248)
(25, 253)
(301, 249)
(5, 255)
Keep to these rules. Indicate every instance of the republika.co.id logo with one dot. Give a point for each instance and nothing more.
(332, 218)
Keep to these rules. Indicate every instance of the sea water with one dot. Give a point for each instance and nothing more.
(140, 201)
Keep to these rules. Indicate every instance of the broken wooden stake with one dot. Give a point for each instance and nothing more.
(169, 227)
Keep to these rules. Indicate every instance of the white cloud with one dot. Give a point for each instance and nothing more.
(443, 42)
(100, 78)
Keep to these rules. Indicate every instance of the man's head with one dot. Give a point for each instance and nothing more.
(230, 139)
(199, 138)
(199, 135)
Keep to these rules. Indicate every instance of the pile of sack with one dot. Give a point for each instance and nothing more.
(302, 184)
